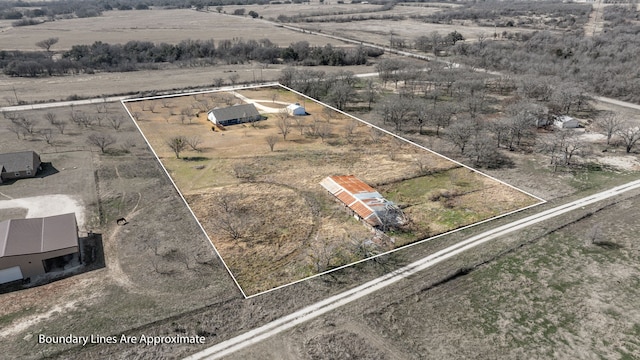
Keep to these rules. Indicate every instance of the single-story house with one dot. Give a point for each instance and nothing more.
(236, 114)
(19, 165)
(296, 110)
(366, 203)
(566, 122)
(30, 247)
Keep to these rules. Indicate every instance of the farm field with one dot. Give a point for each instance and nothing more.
(170, 26)
(265, 211)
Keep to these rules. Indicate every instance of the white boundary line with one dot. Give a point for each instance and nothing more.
(276, 84)
(184, 200)
(312, 311)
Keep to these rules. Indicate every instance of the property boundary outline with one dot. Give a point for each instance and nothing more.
(277, 84)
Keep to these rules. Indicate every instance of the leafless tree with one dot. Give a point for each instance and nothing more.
(218, 82)
(50, 117)
(349, 129)
(60, 125)
(229, 218)
(233, 78)
(375, 135)
(609, 123)
(283, 123)
(136, 116)
(115, 121)
(324, 131)
(165, 103)
(47, 43)
(630, 136)
(300, 123)
(152, 107)
(177, 144)
(561, 147)
(27, 124)
(272, 140)
(194, 142)
(460, 133)
(370, 92)
(47, 135)
(101, 140)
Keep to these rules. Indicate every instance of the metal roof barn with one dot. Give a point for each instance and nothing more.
(364, 200)
(29, 243)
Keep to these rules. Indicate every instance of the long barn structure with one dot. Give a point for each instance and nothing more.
(366, 203)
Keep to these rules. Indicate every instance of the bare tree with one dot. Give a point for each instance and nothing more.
(50, 117)
(272, 140)
(283, 123)
(152, 107)
(47, 43)
(349, 129)
(324, 131)
(460, 133)
(28, 125)
(194, 142)
(177, 144)
(629, 136)
(233, 78)
(47, 135)
(115, 121)
(609, 123)
(229, 218)
(101, 140)
(16, 129)
(60, 125)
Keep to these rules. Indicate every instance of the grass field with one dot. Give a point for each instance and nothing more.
(286, 226)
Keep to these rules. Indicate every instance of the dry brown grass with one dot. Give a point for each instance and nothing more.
(284, 241)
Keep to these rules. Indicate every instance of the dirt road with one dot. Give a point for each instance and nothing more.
(287, 322)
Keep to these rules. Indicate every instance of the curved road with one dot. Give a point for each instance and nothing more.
(310, 312)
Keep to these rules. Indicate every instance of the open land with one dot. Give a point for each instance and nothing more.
(290, 228)
(564, 289)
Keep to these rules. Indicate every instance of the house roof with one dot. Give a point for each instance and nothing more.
(358, 196)
(19, 161)
(38, 235)
(235, 112)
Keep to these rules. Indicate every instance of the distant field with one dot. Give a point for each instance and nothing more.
(170, 26)
(288, 226)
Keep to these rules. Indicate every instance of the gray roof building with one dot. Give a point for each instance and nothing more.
(27, 244)
(19, 165)
(236, 114)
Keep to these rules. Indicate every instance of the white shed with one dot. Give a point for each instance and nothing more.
(296, 110)
(566, 122)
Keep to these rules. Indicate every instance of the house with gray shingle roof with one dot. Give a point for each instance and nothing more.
(232, 115)
(19, 165)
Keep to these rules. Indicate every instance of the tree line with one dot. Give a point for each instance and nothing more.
(605, 63)
(135, 55)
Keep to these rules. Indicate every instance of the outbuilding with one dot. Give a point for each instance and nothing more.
(296, 110)
(19, 165)
(31, 247)
(365, 202)
(566, 122)
(232, 115)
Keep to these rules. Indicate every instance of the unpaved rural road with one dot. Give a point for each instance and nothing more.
(310, 312)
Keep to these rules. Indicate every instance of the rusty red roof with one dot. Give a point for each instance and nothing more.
(364, 200)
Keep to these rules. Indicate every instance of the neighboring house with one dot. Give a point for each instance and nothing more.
(566, 122)
(236, 114)
(19, 165)
(30, 247)
(296, 110)
(366, 203)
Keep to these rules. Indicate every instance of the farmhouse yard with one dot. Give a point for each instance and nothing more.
(265, 211)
